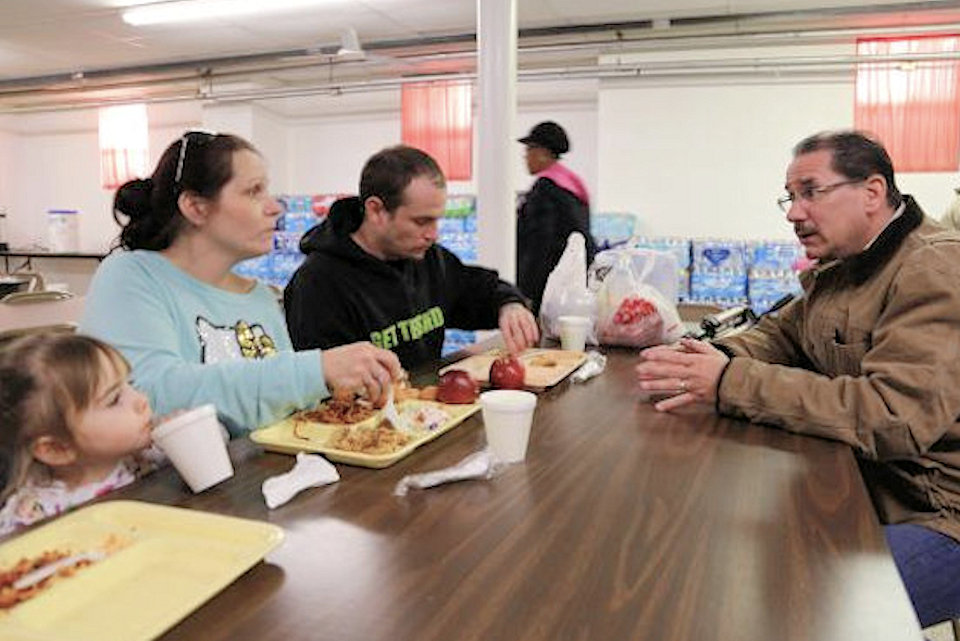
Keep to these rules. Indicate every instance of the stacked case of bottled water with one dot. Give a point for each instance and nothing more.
(773, 272)
(613, 229)
(458, 233)
(728, 272)
(718, 272)
(297, 218)
(458, 227)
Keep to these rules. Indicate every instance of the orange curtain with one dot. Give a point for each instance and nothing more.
(123, 144)
(912, 107)
(438, 118)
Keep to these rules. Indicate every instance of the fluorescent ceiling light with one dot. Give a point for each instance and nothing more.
(189, 10)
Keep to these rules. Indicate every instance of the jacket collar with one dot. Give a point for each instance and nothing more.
(860, 267)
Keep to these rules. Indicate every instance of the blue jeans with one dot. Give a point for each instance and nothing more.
(929, 564)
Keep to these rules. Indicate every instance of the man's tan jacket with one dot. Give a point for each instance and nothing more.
(870, 355)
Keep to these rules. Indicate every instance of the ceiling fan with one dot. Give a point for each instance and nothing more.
(350, 50)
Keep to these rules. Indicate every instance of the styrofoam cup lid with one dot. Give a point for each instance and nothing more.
(204, 412)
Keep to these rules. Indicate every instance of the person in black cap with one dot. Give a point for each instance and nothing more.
(557, 205)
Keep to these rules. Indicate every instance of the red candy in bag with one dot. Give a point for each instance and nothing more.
(632, 309)
(636, 322)
(632, 312)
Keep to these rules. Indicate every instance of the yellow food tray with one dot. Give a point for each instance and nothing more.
(174, 560)
(280, 437)
(543, 367)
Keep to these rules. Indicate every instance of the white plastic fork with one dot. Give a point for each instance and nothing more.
(391, 414)
(46, 571)
(390, 411)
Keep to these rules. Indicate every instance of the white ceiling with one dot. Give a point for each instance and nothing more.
(45, 37)
(49, 45)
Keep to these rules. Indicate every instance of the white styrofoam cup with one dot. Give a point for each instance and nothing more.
(193, 441)
(507, 416)
(573, 332)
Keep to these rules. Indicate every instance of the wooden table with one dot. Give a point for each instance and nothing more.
(622, 524)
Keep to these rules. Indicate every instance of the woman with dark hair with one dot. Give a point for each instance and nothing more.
(194, 331)
(556, 206)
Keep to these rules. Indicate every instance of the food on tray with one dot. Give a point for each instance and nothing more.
(64, 563)
(402, 391)
(457, 387)
(429, 393)
(423, 417)
(543, 367)
(507, 372)
(542, 360)
(338, 411)
(382, 439)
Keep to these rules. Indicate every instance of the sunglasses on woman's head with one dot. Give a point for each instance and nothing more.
(197, 137)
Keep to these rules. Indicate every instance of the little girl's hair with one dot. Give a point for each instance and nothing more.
(46, 381)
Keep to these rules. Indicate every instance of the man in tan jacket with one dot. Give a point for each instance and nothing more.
(869, 355)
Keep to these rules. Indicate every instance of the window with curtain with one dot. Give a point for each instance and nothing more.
(123, 144)
(913, 106)
(438, 118)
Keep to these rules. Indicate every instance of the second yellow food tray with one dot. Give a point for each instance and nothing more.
(281, 437)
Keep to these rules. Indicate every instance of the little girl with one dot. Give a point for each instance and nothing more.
(71, 426)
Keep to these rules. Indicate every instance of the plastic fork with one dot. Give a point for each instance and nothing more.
(43, 573)
(390, 410)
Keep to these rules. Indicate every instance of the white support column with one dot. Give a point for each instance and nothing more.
(497, 89)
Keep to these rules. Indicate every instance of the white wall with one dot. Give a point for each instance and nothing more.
(51, 161)
(9, 145)
(706, 156)
(325, 154)
(59, 171)
(708, 160)
(699, 157)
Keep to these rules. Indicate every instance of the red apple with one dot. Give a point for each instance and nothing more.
(507, 372)
(457, 387)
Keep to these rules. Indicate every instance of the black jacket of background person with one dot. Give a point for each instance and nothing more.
(546, 217)
(341, 294)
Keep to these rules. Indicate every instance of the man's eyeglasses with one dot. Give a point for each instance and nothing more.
(198, 137)
(809, 193)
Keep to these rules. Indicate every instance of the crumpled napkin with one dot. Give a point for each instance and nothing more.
(479, 465)
(595, 364)
(309, 471)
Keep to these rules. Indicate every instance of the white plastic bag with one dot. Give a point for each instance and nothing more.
(658, 269)
(633, 312)
(566, 293)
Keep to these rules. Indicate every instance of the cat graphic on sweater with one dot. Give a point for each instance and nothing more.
(229, 342)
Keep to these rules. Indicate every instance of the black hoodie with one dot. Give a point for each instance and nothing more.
(341, 294)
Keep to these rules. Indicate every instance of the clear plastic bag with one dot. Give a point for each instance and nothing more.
(566, 293)
(633, 312)
(659, 269)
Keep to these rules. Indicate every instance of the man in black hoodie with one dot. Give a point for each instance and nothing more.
(374, 271)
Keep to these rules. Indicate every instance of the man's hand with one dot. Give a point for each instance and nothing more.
(361, 366)
(693, 371)
(518, 327)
